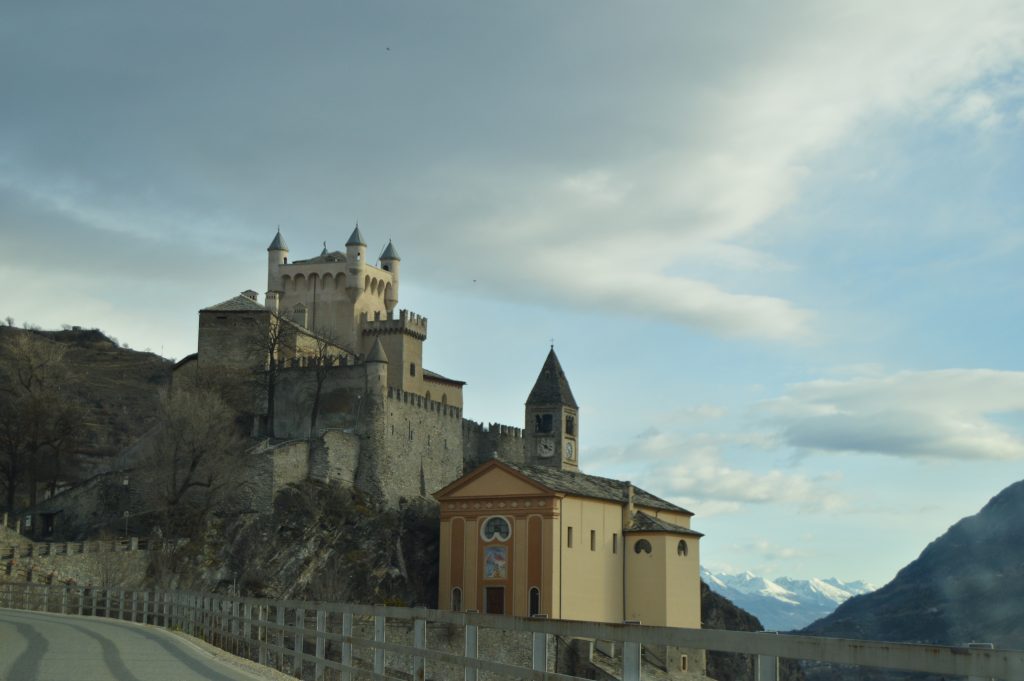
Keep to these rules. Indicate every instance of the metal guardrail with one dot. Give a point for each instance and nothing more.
(347, 641)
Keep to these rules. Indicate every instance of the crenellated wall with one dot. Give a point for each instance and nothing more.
(483, 442)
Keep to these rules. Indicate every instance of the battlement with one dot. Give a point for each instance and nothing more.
(407, 322)
(311, 362)
(472, 427)
(415, 400)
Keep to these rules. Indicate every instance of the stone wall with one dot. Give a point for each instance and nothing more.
(480, 443)
(106, 564)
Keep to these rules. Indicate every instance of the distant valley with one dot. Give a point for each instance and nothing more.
(784, 604)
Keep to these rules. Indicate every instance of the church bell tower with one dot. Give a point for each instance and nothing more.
(552, 419)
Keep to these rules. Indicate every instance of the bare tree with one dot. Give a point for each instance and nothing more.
(193, 456)
(40, 421)
(326, 352)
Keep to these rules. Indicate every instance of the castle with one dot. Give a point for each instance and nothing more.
(350, 399)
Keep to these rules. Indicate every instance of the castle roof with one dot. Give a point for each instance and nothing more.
(325, 256)
(390, 253)
(377, 353)
(647, 523)
(429, 375)
(552, 387)
(593, 486)
(278, 243)
(356, 239)
(237, 304)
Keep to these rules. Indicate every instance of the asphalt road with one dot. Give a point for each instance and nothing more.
(45, 647)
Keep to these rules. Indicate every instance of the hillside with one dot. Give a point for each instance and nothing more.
(967, 585)
(118, 388)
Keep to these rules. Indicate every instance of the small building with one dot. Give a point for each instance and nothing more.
(543, 538)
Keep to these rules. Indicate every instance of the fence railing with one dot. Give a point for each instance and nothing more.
(326, 641)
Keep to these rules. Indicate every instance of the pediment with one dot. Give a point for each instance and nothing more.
(492, 480)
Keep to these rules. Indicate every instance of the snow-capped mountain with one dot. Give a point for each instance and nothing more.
(784, 604)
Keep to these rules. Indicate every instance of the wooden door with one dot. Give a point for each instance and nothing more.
(494, 598)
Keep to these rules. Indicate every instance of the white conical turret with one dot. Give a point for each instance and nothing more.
(277, 255)
(390, 262)
(355, 253)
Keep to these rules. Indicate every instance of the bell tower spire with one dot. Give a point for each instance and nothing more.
(552, 419)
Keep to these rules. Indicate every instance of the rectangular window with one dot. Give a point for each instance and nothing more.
(593, 540)
(570, 425)
(615, 542)
(543, 423)
(568, 538)
(412, 369)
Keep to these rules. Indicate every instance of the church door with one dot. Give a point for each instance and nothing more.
(495, 600)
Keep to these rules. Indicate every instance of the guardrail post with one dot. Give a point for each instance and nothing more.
(321, 629)
(298, 641)
(46, 598)
(419, 641)
(145, 607)
(64, 600)
(346, 646)
(120, 605)
(379, 634)
(261, 632)
(630, 661)
(81, 600)
(767, 668)
(234, 622)
(472, 651)
(247, 625)
(93, 612)
(135, 605)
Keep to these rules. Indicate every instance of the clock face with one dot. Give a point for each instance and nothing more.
(546, 448)
(570, 450)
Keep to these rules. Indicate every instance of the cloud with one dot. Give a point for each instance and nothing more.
(978, 108)
(693, 471)
(624, 171)
(950, 413)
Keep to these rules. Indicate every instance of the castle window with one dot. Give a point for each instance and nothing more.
(568, 538)
(570, 425)
(682, 549)
(615, 542)
(534, 601)
(642, 546)
(544, 423)
(457, 599)
(593, 540)
(387, 268)
(412, 369)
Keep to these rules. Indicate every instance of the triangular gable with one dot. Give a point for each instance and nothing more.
(493, 479)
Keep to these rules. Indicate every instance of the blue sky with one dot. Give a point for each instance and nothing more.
(777, 246)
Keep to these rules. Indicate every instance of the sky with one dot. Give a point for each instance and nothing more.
(776, 245)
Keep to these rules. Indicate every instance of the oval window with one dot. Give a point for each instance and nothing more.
(642, 546)
(496, 528)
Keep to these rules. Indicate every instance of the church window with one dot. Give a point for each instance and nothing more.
(544, 423)
(642, 546)
(593, 540)
(457, 599)
(568, 538)
(682, 549)
(570, 425)
(496, 528)
(412, 369)
(534, 601)
(615, 542)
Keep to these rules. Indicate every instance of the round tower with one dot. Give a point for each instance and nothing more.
(390, 262)
(355, 254)
(277, 255)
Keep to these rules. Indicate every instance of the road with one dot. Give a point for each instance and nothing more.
(46, 647)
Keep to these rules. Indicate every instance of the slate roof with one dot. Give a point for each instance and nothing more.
(356, 239)
(236, 304)
(377, 353)
(278, 243)
(552, 387)
(434, 376)
(647, 523)
(583, 485)
(390, 253)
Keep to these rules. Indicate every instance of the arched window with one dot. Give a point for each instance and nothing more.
(534, 601)
(457, 599)
(682, 549)
(642, 546)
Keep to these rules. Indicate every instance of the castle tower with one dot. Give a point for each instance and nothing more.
(552, 419)
(277, 255)
(389, 262)
(355, 253)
